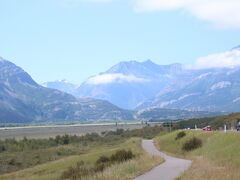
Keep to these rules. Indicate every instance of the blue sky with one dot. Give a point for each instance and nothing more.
(75, 39)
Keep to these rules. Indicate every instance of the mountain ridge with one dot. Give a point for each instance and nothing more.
(200, 87)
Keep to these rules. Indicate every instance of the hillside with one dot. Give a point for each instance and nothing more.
(217, 90)
(218, 158)
(216, 122)
(162, 114)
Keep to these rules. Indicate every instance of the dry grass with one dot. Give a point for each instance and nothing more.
(203, 168)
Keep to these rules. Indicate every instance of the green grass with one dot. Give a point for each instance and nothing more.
(126, 170)
(218, 158)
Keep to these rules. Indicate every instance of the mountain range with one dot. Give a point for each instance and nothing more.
(146, 85)
(129, 90)
(22, 100)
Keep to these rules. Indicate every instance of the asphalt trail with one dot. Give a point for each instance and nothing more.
(169, 170)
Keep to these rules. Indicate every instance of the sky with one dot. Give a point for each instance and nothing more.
(75, 39)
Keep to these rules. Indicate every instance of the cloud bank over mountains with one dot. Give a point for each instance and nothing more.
(228, 59)
(113, 77)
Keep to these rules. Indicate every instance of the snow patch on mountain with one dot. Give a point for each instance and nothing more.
(166, 103)
(114, 78)
(236, 100)
(221, 85)
(203, 75)
(187, 95)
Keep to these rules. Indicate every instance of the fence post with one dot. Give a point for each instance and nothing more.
(225, 128)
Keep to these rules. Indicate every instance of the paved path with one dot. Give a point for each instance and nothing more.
(169, 170)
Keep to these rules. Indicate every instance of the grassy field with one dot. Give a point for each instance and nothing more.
(14, 161)
(218, 158)
(125, 170)
(18, 154)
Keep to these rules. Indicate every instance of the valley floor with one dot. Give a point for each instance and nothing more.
(52, 131)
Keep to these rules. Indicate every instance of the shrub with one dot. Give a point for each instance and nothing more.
(122, 155)
(180, 135)
(100, 167)
(77, 172)
(82, 170)
(66, 139)
(192, 144)
(119, 156)
(2, 148)
(12, 162)
(102, 159)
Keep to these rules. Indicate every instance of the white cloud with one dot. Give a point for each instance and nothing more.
(96, 1)
(110, 78)
(77, 3)
(87, 1)
(229, 59)
(220, 12)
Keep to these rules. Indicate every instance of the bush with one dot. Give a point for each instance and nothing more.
(102, 159)
(122, 155)
(180, 135)
(100, 167)
(82, 170)
(12, 162)
(192, 144)
(2, 148)
(77, 172)
(119, 156)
